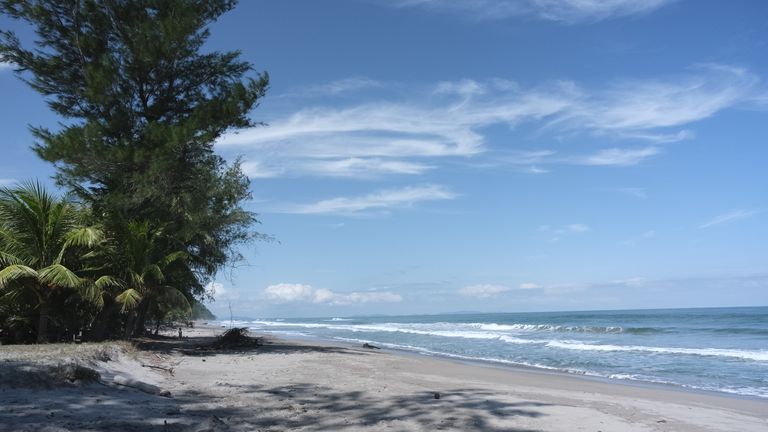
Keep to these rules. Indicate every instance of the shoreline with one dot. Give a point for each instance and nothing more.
(511, 366)
(301, 385)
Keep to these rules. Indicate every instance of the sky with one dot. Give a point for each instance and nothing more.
(423, 156)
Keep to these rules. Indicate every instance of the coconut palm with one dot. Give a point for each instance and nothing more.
(144, 264)
(40, 237)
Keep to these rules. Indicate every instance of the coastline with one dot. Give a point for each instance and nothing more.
(525, 369)
(296, 384)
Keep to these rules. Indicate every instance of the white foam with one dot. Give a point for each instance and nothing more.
(761, 355)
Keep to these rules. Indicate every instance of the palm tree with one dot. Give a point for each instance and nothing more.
(40, 236)
(144, 263)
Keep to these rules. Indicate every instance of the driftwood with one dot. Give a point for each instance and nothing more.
(169, 370)
(369, 346)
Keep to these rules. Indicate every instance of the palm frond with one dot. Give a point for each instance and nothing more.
(59, 276)
(175, 298)
(154, 271)
(16, 272)
(93, 294)
(129, 298)
(172, 257)
(86, 236)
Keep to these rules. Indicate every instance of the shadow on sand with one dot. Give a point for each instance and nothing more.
(303, 406)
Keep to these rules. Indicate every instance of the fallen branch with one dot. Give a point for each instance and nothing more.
(169, 370)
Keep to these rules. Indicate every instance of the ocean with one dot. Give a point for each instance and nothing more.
(715, 349)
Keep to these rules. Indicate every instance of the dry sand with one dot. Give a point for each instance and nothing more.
(308, 386)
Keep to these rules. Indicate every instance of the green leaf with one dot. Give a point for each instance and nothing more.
(60, 276)
(16, 272)
(87, 236)
(106, 282)
(129, 298)
(173, 257)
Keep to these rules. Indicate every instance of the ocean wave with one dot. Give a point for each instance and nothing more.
(424, 328)
(742, 391)
(761, 355)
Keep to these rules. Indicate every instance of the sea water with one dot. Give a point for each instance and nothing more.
(717, 349)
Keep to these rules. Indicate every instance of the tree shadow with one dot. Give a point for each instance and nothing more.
(314, 408)
(304, 406)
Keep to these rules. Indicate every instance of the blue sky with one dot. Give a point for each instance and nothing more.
(491, 155)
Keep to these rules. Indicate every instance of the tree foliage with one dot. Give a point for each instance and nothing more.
(41, 240)
(144, 106)
(141, 104)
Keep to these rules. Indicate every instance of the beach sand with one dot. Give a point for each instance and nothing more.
(312, 386)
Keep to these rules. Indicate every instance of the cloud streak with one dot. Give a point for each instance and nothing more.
(290, 293)
(483, 290)
(567, 11)
(728, 217)
(447, 121)
(383, 200)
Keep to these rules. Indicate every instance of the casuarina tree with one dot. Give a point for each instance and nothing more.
(142, 103)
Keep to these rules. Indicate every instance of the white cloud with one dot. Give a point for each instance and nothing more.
(569, 11)
(347, 85)
(409, 135)
(634, 282)
(287, 293)
(7, 182)
(378, 201)
(6, 65)
(465, 87)
(617, 156)
(566, 229)
(329, 297)
(536, 170)
(221, 293)
(483, 290)
(729, 217)
(529, 285)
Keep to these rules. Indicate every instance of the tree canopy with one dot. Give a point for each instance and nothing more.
(145, 106)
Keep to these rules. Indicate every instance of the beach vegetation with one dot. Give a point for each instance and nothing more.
(152, 212)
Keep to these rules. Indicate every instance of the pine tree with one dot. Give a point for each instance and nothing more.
(142, 105)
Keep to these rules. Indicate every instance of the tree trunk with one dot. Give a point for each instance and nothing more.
(141, 316)
(129, 322)
(42, 325)
(102, 320)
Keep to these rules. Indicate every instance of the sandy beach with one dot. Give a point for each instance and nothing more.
(313, 386)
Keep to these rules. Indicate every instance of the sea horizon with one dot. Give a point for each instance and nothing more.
(470, 312)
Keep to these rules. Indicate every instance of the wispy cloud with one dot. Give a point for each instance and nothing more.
(384, 200)
(556, 233)
(335, 298)
(729, 217)
(5, 66)
(6, 182)
(568, 11)
(617, 156)
(483, 290)
(334, 88)
(347, 85)
(291, 292)
(409, 135)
